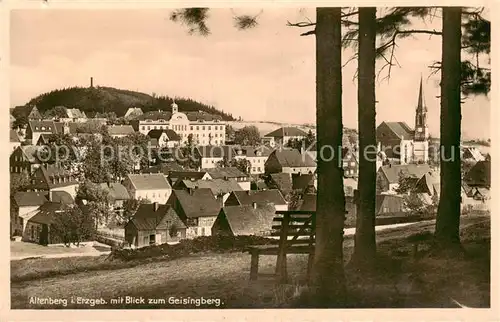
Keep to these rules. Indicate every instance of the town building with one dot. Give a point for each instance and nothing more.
(154, 224)
(120, 131)
(54, 178)
(404, 145)
(220, 188)
(389, 176)
(203, 128)
(153, 187)
(228, 173)
(244, 220)
(247, 198)
(164, 138)
(257, 156)
(283, 135)
(210, 156)
(289, 161)
(133, 112)
(197, 208)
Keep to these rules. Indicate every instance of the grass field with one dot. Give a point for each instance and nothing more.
(225, 277)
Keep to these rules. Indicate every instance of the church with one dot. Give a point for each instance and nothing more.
(400, 144)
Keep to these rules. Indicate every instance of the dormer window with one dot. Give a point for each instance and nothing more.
(36, 128)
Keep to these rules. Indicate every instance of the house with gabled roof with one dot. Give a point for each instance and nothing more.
(281, 181)
(165, 167)
(36, 128)
(272, 196)
(283, 135)
(133, 112)
(29, 112)
(164, 138)
(388, 176)
(234, 173)
(429, 184)
(54, 178)
(289, 161)
(23, 206)
(220, 188)
(174, 176)
(257, 156)
(117, 194)
(479, 175)
(154, 224)
(25, 159)
(197, 208)
(210, 155)
(244, 220)
(120, 131)
(471, 153)
(153, 187)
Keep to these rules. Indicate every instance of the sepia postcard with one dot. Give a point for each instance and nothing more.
(192, 159)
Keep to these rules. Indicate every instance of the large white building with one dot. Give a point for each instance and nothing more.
(206, 129)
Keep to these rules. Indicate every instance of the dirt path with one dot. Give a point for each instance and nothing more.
(214, 276)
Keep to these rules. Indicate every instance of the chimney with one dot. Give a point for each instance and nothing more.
(254, 205)
(155, 206)
(50, 196)
(91, 82)
(248, 192)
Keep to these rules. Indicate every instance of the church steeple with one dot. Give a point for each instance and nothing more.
(175, 108)
(421, 130)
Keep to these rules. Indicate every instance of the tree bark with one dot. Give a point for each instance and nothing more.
(448, 217)
(365, 246)
(328, 280)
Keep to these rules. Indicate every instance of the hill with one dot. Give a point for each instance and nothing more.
(101, 99)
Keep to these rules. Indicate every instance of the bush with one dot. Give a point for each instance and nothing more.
(191, 246)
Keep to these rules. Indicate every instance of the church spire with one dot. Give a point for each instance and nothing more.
(421, 102)
(421, 130)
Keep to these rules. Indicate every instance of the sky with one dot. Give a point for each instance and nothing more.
(266, 73)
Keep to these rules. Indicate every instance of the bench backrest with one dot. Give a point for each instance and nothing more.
(294, 227)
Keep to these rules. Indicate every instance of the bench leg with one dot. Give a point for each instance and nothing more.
(281, 271)
(254, 266)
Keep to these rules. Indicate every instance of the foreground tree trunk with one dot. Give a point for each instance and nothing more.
(448, 217)
(328, 281)
(365, 246)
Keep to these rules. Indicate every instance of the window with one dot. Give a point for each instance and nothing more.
(385, 209)
(203, 231)
(345, 164)
(258, 168)
(143, 127)
(209, 127)
(353, 163)
(154, 195)
(197, 127)
(149, 127)
(253, 169)
(191, 127)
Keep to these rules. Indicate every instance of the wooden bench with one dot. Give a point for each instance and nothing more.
(296, 231)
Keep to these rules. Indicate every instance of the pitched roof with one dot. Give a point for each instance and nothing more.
(302, 181)
(30, 151)
(218, 151)
(46, 213)
(428, 182)
(283, 181)
(227, 172)
(260, 151)
(292, 158)
(120, 129)
(155, 116)
(172, 135)
(14, 138)
(392, 172)
(149, 181)
(473, 153)
(245, 220)
(393, 202)
(43, 126)
(195, 116)
(75, 113)
(401, 129)
(146, 218)
(164, 168)
(61, 197)
(217, 186)
(45, 175)
(133, 111)
(272, 196)
(181, 175)
(29, 199)
(198, 203)
(286, 131)
(479, 174)
(157, 133)
(116, 190)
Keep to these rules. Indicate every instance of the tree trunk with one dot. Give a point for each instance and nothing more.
(365, 246)
(328, 281)
(448, 217)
